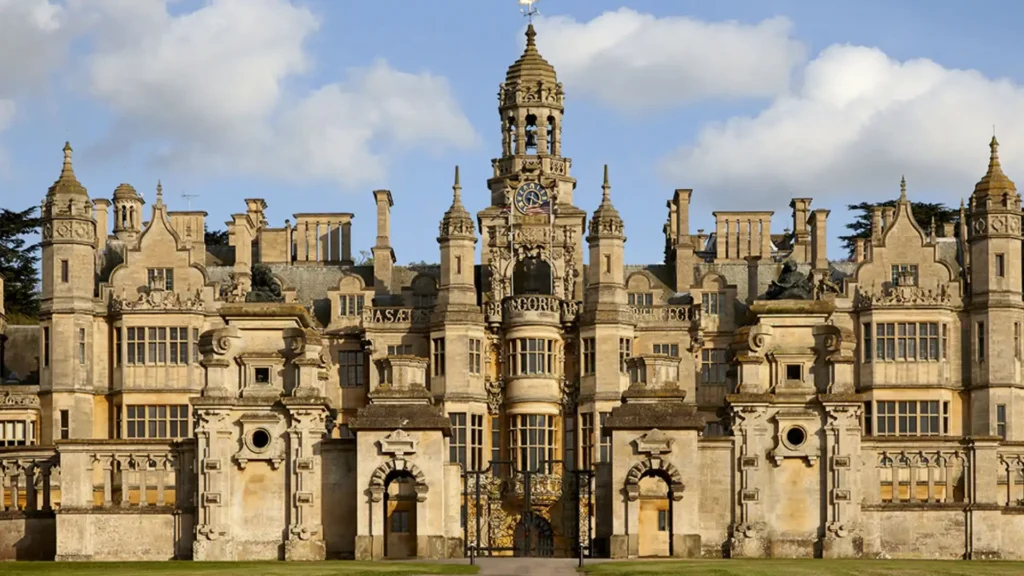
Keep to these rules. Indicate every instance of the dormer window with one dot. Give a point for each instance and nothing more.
(904, 274)
(641, 299)
(161, 278)
(350, 305)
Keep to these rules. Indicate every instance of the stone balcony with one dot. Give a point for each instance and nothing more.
(532, 309)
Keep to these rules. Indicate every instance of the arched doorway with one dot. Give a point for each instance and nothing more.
(654, 515)
(533, 536)
(532, 275)
(399, 515)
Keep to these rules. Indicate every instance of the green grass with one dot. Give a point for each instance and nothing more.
(340, 568)
(807, 568)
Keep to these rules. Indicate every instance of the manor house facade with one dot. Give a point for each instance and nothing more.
(746, 397)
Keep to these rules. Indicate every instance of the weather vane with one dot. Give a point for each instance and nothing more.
(528, 9)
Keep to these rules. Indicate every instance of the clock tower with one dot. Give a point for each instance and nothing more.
(531, 213)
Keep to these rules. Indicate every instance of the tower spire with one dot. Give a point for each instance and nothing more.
(457, 189)
(606, 188)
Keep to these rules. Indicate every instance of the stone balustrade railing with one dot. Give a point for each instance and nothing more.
(1011, 476)
(29, 479)
(543, 308)
(383, 317)
(662, 315)
(128, 473)
(916, 470)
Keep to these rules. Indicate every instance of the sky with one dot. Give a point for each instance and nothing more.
(312, 104)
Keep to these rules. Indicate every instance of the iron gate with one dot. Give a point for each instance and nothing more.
(501, 510)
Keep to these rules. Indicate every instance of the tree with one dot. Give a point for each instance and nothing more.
(365, 258)
(18, 261)
(923, 213)
(215, 238)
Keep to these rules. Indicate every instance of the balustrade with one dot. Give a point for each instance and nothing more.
(657, 315)
(29, 479)
(396, 316)
(928, 472)
(129, 473)
(1011, 477)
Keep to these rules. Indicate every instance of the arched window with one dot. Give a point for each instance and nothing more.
(552, 135)
(531, 134)
(532, 276)
(124, 216)
(510, 135)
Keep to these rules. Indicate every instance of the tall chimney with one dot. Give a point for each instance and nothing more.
(101, 210)
(383, 254)
(684, 245)
(819, 239)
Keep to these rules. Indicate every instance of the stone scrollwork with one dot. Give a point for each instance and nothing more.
(399, 444)
(9, 399)
(157, 301)
(899, 296)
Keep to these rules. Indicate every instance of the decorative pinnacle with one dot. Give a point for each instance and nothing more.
(531, 37)
(457, 189)
(159, 192)
(606, 188)
(993, 161)
(903, 188)
(67, 169)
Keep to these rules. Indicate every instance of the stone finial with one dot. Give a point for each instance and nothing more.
(67, 183)
(994, 182)
(606, 188)
(457, 188)
(159, 193)
(903, 188)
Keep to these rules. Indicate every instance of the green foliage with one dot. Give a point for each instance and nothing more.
(215, 237)
(860, 227)
(808, 567)
(330, 568)
(18, 260)
(365, 258)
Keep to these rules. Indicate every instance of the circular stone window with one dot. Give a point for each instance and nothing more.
(260, 439)
(796, 437)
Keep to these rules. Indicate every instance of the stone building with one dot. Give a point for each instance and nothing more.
(746, 397)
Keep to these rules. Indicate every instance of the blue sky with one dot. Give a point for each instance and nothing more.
(313, 104)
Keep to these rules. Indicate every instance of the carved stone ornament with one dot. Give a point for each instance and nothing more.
(158, 300)
(570, 395)
(9, 399)
(398, 443)
(900, 296)
(495, 395)
(654, 443)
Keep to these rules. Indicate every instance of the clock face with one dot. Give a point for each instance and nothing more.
(532, 198)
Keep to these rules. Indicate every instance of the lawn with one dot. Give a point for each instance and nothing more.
(230, 568)
(807, 568)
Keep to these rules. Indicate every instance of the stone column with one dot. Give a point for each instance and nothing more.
(346, 243)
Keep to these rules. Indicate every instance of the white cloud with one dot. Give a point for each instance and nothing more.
(859, 121)
(32, 44)
(632, 60)
(333, 131)
(212, 88)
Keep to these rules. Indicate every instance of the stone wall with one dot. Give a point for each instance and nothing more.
(340, 496)
(716, 495)
(27, 536)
